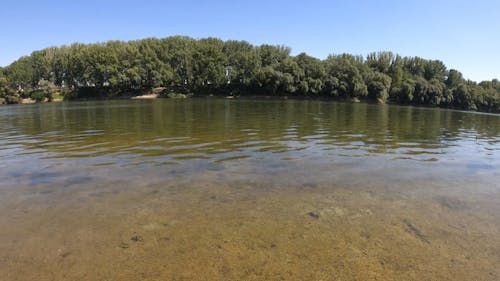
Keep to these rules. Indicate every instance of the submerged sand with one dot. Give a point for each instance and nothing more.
(250, 231)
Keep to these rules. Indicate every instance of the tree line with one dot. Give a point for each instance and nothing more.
(207, 66)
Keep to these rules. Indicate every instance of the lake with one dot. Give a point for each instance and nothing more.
(217, 189)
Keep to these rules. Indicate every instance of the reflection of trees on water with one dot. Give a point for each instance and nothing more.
(147, 123)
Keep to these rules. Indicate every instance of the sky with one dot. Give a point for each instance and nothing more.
(465, 35)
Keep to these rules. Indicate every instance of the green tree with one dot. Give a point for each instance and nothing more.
(381, 61)
(209, 62)
(379, 85)
(46, 90)
(7, 94)
(182, 64)
(344, 70)
(463, 98)
(313, 74)
(454, 78)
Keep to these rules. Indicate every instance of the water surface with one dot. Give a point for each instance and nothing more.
(209, 189)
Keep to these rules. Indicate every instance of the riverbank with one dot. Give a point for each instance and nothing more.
(145, 97)
(162, 93)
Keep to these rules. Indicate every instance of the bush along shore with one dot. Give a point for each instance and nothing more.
(180, 67)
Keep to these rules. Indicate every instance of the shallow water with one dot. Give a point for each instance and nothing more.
(209, 189)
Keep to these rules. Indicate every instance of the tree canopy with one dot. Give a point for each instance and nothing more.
(212, 66)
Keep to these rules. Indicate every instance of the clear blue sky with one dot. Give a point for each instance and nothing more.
(465, 35)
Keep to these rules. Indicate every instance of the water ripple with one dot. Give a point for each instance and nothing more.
(107, 136)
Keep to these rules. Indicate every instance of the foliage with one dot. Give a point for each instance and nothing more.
(211, 66)
(7, 94)
(176, 96)
(379, 85)
(46, 90)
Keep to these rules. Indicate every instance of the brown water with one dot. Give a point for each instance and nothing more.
(248, 190)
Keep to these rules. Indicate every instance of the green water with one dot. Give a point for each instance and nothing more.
(214, 189)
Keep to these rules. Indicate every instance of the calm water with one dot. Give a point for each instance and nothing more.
(209, 189)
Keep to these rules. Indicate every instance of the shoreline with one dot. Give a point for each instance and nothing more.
(153, 96)
(146, 97)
